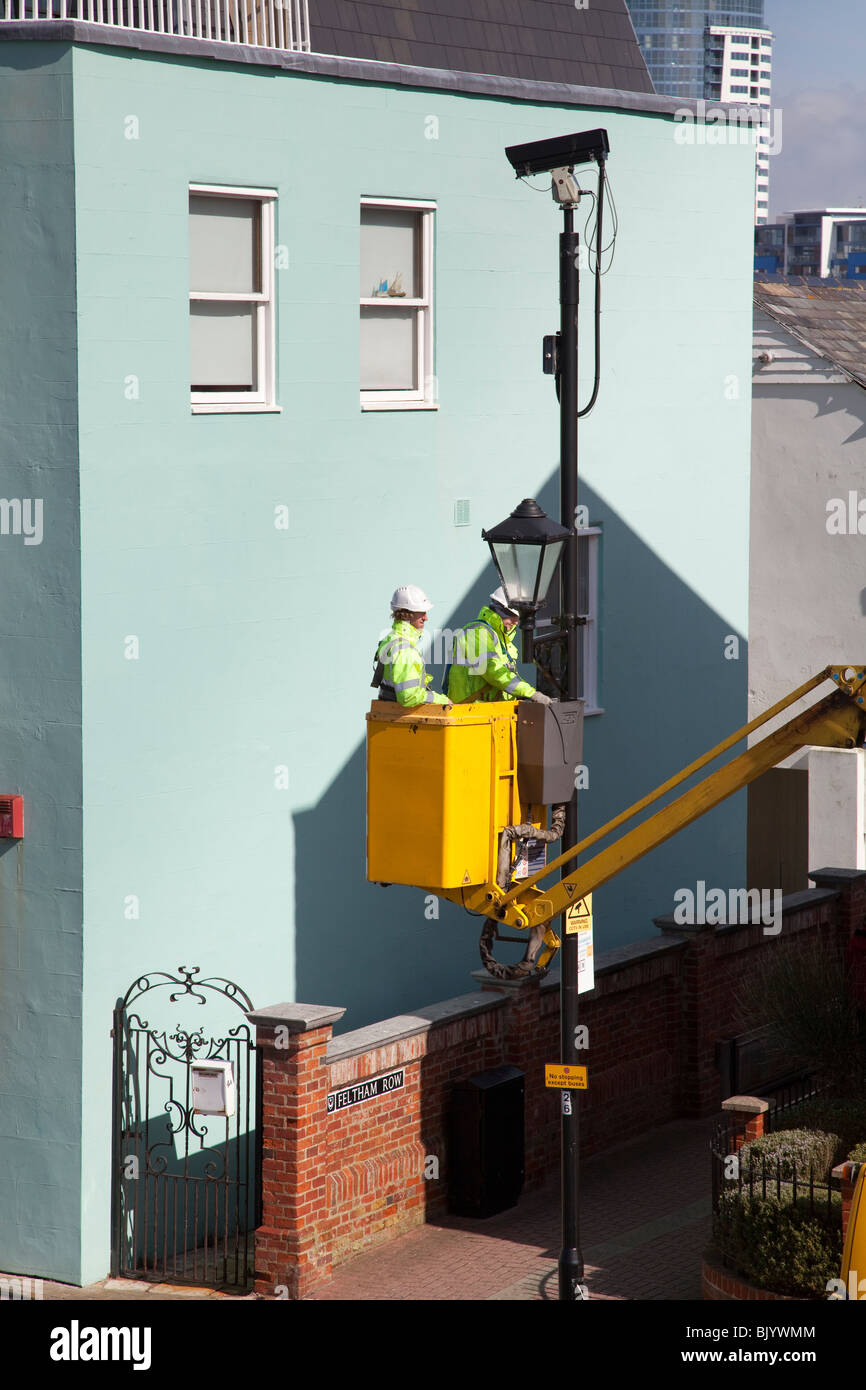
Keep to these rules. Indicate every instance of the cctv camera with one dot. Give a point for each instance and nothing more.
(563, 151)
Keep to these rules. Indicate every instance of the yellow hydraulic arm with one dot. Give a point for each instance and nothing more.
(838, 721)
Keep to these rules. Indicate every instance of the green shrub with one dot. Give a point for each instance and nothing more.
(847, 1118)
(858, 1154)
(779, 1244)
(776, 1155)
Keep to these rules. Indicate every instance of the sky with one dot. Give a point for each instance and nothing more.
(819, 104)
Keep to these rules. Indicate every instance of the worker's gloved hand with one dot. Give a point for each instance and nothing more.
(539, 699)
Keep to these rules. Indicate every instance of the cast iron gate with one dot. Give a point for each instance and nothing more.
(185, 1189)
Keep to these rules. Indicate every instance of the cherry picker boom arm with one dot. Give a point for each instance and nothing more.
(838, 721)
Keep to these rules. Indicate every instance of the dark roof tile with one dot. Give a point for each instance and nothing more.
(425, 31)
(405, 24)
(829, 315)
(546, 40)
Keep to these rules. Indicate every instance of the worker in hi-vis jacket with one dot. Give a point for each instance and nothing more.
(484, 663)
(400, 673)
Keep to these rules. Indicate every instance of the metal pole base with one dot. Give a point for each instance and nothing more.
(571, 1287)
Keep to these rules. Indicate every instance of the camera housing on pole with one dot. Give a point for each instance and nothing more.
(563, 151)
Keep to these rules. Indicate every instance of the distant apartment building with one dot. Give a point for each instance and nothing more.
(770, 248)
(821, 243)
(715, 53)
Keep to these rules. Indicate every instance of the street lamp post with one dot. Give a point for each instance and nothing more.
(526, 548)
(559, 157)
(570, 1256)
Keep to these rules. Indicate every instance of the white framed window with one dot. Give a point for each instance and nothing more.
(397, 305)
(231, 299)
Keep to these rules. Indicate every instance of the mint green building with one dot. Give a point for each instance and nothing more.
(240, 448)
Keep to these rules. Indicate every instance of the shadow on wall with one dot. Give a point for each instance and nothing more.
(11, 889)
(827, 400)
(668, 693)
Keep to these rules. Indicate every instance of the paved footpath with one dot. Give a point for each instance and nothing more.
(645, 1218)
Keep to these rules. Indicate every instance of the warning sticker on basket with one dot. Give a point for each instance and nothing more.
(564, 1078)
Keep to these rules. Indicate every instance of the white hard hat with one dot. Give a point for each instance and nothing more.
(410, 597)
(498, 597)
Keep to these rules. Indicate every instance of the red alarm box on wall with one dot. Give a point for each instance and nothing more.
(11, 817)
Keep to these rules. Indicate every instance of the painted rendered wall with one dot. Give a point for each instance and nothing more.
(807, 603)
(837, 807)
(807, 600)
(40, 720)
(255, 644)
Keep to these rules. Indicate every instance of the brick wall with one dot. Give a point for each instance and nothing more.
(336, 1182)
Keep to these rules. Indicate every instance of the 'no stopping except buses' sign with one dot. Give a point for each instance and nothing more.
(564, 1078)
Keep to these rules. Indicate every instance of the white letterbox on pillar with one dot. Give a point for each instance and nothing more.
(213, 1088)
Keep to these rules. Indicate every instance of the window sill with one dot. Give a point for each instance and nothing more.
(399, 405)
(226, 408)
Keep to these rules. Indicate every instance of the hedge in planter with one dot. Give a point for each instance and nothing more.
(787, 1151)
(780, 1244)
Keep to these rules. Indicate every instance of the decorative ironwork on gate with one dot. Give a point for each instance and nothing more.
(185, 1188)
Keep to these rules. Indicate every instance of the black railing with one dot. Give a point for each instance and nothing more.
(743, 1180)
(766, 1175)
(785, 1096)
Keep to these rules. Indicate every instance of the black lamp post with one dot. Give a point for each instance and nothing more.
(559, 157)
(526, 548)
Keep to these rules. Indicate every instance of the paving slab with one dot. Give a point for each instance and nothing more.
(645, 1219)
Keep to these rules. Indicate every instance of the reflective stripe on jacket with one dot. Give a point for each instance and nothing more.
(405, 678)
(484, 664)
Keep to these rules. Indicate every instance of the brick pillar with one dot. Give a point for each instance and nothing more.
(847, 1174)
(747, 1115)
(850, 884)
(293, 1243)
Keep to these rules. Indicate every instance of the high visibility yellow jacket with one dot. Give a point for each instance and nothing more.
(484, 664)
(405, 675)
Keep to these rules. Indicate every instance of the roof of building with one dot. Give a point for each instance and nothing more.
(827, 212)
(745, 28)
(828, 316)
(486, 84)
(543, 41)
